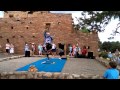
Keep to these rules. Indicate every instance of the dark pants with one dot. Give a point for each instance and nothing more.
(27, 53)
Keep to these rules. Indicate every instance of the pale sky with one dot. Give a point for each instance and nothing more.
(102, 35)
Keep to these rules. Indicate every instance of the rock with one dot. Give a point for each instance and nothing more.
(4, 73)
(12, 77)
(64, 75)
(75, 76)
(10, 73)
(40, 74)
(47, 75)
(96, 77)
(70, 77)
(56, 75)
(35, 76)
(22, 76)
(30, 75)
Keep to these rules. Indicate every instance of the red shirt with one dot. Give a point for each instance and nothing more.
(84, 51)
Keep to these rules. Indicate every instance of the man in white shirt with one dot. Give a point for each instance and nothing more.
(7, 48)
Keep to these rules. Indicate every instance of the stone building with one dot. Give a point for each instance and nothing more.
(19, 27)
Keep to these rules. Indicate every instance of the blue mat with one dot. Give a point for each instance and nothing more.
(47, 67)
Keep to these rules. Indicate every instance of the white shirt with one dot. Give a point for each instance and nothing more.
(7, 46)
(53, 46)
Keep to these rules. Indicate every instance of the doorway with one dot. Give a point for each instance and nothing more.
(61, 46)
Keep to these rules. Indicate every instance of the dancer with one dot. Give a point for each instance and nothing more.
(48, 46)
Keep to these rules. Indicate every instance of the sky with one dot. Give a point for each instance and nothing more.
(103, 36)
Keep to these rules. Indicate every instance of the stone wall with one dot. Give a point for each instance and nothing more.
(30, 29)
(23, 14)
(45, 75)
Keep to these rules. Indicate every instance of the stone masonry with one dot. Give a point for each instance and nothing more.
(45, 75)
(20, 27)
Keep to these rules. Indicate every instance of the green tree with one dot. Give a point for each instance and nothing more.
(98, 20)
(110, 46)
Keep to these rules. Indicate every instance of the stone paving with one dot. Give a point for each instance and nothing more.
(83, 66)
(4, 55)
(72, 66)
(12, 65)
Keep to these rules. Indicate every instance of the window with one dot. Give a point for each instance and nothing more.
(30, 22)
(59, 23)
(48, 25)
(7, 40)
(26, 27)
(11, 27)
(11, 15)
(33, 36)
(21, 36)
(13, 36)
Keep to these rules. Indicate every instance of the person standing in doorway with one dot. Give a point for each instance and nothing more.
(27, 50)
(11, 49)
(7, 48)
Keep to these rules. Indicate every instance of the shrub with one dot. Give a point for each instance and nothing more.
(103, 54)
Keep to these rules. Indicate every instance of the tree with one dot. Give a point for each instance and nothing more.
(110, 46)
(98, 20)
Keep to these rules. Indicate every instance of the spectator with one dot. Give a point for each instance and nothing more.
(111, 72)
(33, 49)
(40, 49)
(110, 56)
(77, 51)
(84, 51)
(70, 50)
(74, 50)
(27, 50)
(117, 55)
(7, 48)
(11, 49)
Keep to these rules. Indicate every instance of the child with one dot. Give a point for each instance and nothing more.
(111, 72)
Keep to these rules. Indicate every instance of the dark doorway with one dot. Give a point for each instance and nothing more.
(8, 41)
(61, 46)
